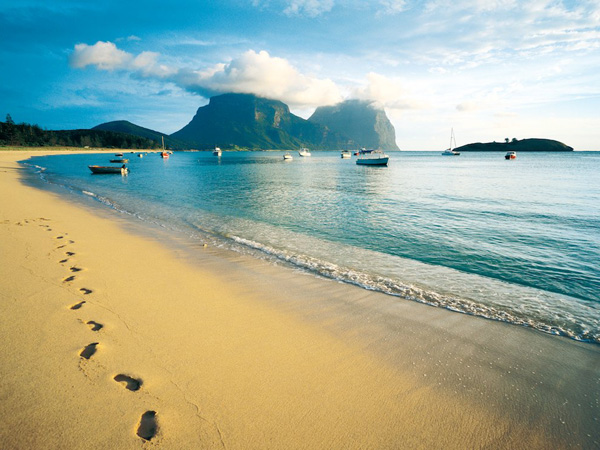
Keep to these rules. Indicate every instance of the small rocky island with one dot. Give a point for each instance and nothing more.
(523, 145)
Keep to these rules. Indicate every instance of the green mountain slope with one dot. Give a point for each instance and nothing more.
(123, 126)
(248, 121)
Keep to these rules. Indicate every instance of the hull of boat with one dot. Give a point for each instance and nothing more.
(108, 170)
(372, 161)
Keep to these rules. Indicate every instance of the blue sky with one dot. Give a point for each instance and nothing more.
(490, 69)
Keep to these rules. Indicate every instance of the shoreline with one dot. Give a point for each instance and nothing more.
(238, 353)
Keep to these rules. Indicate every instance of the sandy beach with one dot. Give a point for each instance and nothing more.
(115, 339)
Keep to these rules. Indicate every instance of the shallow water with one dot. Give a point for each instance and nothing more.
(517, 241)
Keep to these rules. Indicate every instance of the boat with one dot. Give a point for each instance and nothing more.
(122, 170)
(288, 156)
(140, 155)
(510, 155)
(122, 161)
(346, 154)
(217, 151)
(372, 158)
(450, 151)
(304, 152)
(118, 154)
(164, 154)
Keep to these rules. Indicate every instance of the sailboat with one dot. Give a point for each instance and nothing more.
(164, 153)
(450, 151)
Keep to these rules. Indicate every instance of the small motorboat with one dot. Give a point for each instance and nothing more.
(140, 155)
(217, 151)
(372, 158)
(304, 152)
(119, 154)
(122, 161)
(121, 170)
(346, 154)
(287, 157)
(510, 155)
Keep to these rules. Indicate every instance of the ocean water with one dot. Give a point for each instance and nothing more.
(516, 241)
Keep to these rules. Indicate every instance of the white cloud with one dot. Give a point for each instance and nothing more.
(310, 8)
(388, 92)
(263, 75)
(106, 56)
(253, 73)
(392, 6)
(103, 55)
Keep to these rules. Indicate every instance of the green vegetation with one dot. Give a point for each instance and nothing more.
(26, 135)
(248, 121)
(123, 126)
(523, 145)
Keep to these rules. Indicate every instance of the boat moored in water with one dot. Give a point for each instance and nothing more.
(217, 151)
(346, 154)
(372, 158)
(122, 161)
(164, 154)
(287, 157)
(450, 151)
(510, 155)
(122, 170)
(304, 152)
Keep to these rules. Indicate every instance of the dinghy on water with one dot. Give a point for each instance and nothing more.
(122, 170)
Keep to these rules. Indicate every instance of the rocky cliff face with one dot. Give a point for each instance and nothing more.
(248, 121)
(360, 121)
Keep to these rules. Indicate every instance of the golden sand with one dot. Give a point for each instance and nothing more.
(111, 339)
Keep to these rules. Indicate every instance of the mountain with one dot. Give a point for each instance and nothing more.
(248, 121)
(523, 145)
(361, 121)
(32, 135)
(123, 126)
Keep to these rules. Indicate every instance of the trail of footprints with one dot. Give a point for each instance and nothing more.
(147, 425)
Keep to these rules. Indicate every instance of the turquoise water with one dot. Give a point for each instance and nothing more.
(517, 241)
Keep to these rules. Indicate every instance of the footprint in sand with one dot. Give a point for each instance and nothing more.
(75, 269)
(69, 253)
(147, 427)
(94, 326)
(61, 246)
(59, 237)
(88, 350)
(132, 384)
(62, 261)
(69, 279)
(77, 305)
(85, 291)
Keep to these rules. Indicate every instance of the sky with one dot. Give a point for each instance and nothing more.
(489, 69)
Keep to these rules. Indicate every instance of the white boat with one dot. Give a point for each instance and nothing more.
(510, 155)
(346, 154)
(140, 155)
(372, 158)
(288, 156)
(304, 152)
(450, 151)
(217, 151)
